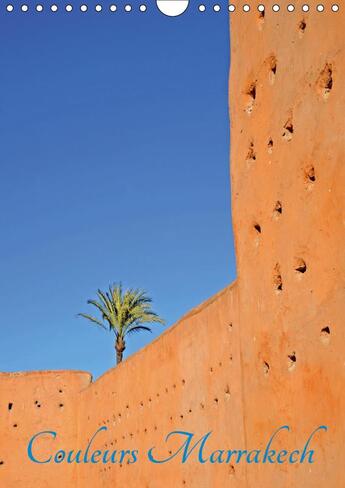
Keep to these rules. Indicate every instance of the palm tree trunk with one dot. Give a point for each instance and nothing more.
(119, 356)
(120, 346)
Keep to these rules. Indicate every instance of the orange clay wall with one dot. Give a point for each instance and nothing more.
(265, 352)
(287, 102)
(31, 403)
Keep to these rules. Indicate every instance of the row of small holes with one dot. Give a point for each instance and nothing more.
(290, 8)
(69, 8)
(202, 8)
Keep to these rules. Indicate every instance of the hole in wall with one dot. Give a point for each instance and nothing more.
(1, 463)
(250, 98)
(266, 367)
(216, 400)
(301, 27)
(61, 406)
(251, 155)
(325, 335)
(227, 392)
(15, 425)
(257, 227)
(252, 91)
(60, 391)
(272, 69)
(261, 18)
(202, 406)
(288, 130)
(300, 266)
(278, 209)
(270, 146)
(309, 176)
(325, 81)
(231, 470)
(10, 406)
(277, 279)
(292, 361)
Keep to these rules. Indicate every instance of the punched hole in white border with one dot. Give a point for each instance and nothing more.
(172, 8)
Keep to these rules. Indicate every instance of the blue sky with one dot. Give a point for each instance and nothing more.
(114, 166)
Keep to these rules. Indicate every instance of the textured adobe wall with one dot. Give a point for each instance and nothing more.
(188, 379)
(31, 403)
(264, 352)
(288, 177)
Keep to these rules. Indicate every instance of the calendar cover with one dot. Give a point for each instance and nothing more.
(172, 244)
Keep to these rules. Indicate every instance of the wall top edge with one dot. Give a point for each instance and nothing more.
(57, 372)
(194, 311)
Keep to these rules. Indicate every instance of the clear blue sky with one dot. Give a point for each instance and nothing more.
(114, 166)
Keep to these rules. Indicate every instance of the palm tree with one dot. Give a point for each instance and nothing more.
(124, 313)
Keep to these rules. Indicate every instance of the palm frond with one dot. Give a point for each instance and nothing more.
(104, 311)
(124, 311)
(92, 319)
(138, 328)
